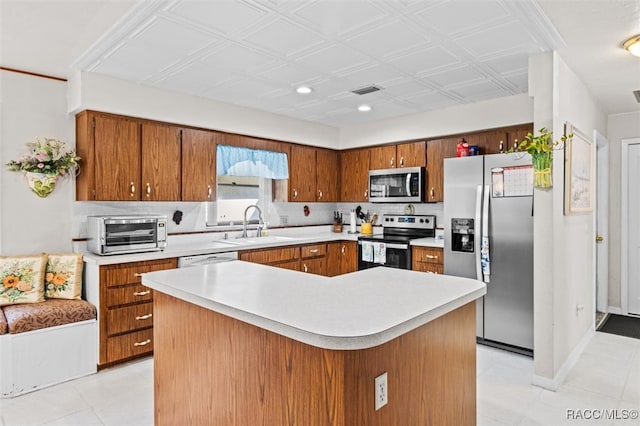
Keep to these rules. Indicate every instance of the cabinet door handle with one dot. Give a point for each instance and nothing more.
(295, 193)
(313, 251)
(148, 190)
(501, 146)
(304, 265)
(132, 188)
(402, 161)
(392, 161)
(137, 274)
(143, 317)
(366, 194)
(515, 143)
(430, 256)
(319, 195)
(433, 192)
(342, 250)
(143, 343)
(208, 191)
(141, 293)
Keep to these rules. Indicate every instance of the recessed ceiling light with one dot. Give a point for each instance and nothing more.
(364, 108)
(633, 45)
(303, 90)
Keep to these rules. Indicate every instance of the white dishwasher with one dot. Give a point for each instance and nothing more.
(207, 259)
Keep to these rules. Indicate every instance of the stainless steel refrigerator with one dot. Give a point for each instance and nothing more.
(488, 225)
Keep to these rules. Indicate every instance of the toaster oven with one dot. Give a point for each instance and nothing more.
(126, 234)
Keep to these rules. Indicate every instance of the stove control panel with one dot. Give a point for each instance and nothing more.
(409, 221)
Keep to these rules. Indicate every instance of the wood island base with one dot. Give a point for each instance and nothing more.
(210, 369)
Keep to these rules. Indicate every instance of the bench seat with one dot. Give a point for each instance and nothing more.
(46, 343)
(53, 312)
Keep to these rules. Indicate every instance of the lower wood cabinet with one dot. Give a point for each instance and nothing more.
(126, 310)
(281, 257)
(328, 259)
(342, 257)
(427, 259)
(313, 259)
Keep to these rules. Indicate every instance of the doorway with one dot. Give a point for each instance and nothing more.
(630, 227)
(601, 227)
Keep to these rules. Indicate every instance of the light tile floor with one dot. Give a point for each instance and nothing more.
(606, 377)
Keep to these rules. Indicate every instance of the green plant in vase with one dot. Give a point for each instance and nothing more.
(541, 148)
(46, 161)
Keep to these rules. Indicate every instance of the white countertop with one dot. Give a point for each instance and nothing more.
(359, 310)
(212, 242)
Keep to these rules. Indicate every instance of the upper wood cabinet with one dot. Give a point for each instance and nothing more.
(517, 134)
(302, 173)
(501, 140)
(110, 150)
(125, 159)
(410, 154)
(327, 175)
(437, 151)
(160, 162)
(313, 175)
(354, 175)
(382, 157)
(199, 164)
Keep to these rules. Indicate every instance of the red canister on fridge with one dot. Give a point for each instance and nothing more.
(462, 149)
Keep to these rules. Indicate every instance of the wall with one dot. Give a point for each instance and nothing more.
(93, 91)
(620, 126)
(564, 263)
(465, 118)
(33, 107)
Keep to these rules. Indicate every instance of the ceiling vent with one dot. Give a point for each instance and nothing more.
(636, 93)
(365, 90)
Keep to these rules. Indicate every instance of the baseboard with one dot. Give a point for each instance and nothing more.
(614, 310)
(554, 383)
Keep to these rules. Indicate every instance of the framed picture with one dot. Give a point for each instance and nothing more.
(578, 173)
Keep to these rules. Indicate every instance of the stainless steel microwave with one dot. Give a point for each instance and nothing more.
(402, 185)
(126, 234)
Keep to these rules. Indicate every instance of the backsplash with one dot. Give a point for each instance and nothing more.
(194, 214)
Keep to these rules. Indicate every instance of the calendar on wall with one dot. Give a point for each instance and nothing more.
(516, 181)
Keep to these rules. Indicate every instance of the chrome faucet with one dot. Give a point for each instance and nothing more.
(260, 221)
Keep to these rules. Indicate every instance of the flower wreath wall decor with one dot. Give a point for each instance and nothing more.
(46, 161)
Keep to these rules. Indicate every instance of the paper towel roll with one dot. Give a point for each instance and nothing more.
(352, 223)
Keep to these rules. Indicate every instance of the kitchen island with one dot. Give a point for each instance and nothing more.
(239, 343)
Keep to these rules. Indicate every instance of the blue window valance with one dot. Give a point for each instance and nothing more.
(238, 161)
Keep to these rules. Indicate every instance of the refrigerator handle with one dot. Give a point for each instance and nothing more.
(478, 233)
(485, 257)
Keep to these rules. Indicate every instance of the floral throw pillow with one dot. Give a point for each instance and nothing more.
(22, 279)
(63, 277)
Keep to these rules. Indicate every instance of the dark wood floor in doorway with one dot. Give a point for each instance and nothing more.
(621, 325)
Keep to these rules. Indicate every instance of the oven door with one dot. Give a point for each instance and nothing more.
(397, 255)
(396, 185)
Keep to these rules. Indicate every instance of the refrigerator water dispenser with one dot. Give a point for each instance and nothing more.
(462, 235)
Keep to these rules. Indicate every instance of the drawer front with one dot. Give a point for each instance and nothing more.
(130, 294)
(314, 250)
(130, 344)
(130, 273)
(428, 255)
(129, 318)
(268, 256)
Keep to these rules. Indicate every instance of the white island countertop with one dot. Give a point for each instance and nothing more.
(358, 310)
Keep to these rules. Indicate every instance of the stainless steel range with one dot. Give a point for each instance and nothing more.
(392, 248)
